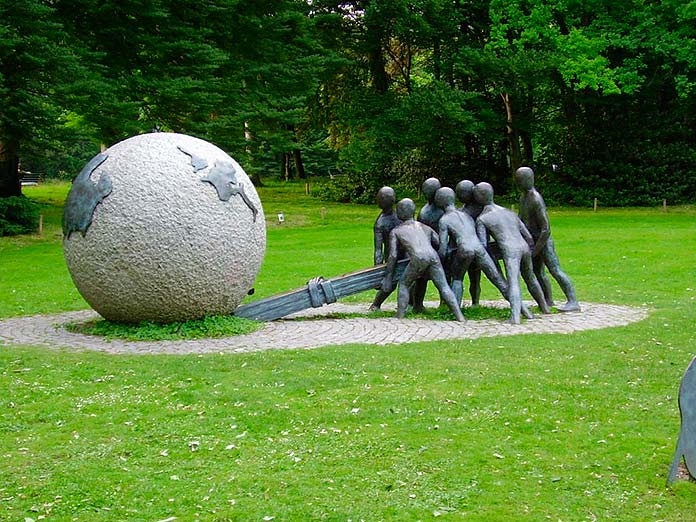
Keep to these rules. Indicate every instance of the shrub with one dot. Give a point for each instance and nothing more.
(18, 215)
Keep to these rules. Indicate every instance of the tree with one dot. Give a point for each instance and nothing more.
(36, 65)
(151, 66)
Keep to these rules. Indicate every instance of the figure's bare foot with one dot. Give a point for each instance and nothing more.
(514, 320)
(573, 306)
(418, 309)
(544, 308)
(526, 312)
(374, 308)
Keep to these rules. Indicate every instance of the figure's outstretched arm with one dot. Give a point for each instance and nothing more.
(434, 238)
(525, 234)
(481, 232)
(542, 219)
(387, 281)
(444, 239)
(379, 243)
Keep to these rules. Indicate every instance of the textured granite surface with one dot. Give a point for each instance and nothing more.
(163, 246)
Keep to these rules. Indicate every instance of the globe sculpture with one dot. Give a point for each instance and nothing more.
(163, 227)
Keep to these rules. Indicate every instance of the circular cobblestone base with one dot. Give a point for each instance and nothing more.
(300, 332)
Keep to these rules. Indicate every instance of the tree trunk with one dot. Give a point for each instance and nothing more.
(374, 41)
(10, 181)
(286, 169)
(512, 135)
(299, 164)
(248, 137)
(527, 149)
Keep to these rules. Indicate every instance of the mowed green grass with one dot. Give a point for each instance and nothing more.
(534, 427)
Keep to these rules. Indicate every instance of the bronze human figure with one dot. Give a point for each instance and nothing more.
(533, 214)
(384, 224)
(465, 194)
(429, 215)
(417, 241)
(515, 242)
(460, 243)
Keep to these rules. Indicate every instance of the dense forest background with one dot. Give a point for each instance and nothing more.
(597, 95)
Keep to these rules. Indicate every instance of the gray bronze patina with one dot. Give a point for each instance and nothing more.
(429, 215)
(384, 224)
(686, 443)
(84, 197)
(534, 216)
(318, 292)
(514, 241)
(461, 245)
(417, 240)
(465, 194)
(197, 162)
(223, 176)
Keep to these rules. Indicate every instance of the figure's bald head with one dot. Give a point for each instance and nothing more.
(483, 193)
(524, 176)
(429, 188)
(386, 197)
(444, 197)
(405, 209)
(465, 191)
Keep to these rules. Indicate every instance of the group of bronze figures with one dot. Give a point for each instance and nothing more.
(445, 243)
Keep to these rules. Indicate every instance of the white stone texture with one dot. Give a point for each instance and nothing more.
(163, 246)
(317, 331)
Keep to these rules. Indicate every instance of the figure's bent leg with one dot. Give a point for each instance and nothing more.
(419, 289)
(489, 268)
(461, 260)
(402, 301)
(474, 284)
(406, 284)
(512, 270)
(538, 263)
(437, 274)
(486, 264)
(554, 266)
(532, 284)
(380, 297)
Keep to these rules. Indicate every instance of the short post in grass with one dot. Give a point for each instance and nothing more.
(664, 205)
(595, 205)
(323, 213)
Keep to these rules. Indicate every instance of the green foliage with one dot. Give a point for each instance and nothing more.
(207, 327)
(387, 92)
(18, 215)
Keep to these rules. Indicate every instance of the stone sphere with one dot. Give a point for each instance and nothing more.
(166, 228)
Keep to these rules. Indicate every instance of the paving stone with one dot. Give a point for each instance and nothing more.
(312, 330)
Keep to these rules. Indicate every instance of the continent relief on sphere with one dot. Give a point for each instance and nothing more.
(223, 176)
(197, 162)
(84, 197)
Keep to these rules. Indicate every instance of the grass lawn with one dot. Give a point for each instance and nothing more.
(578, 427)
